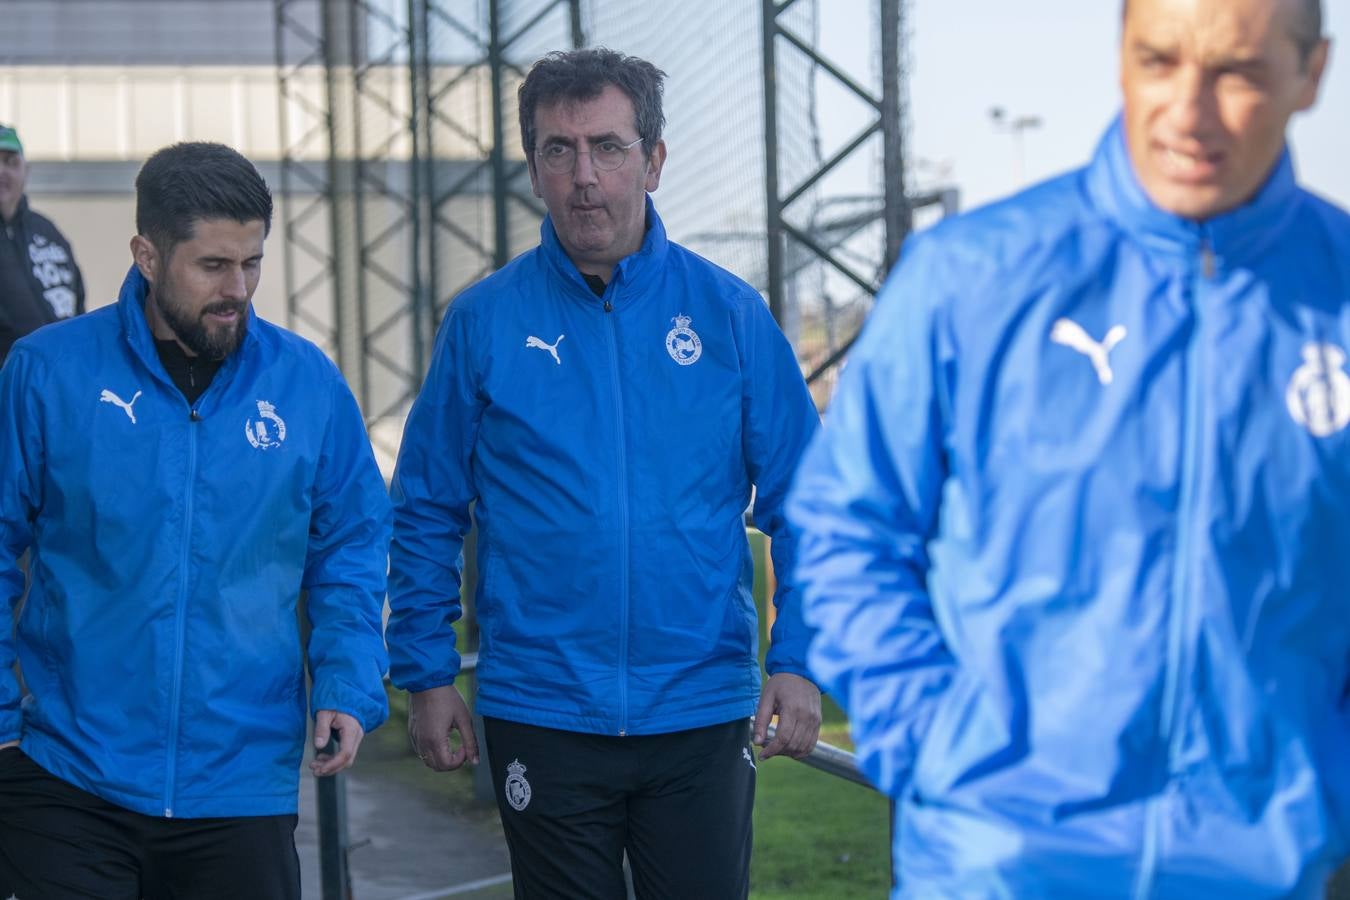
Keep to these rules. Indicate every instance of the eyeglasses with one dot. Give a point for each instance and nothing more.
(605, 156)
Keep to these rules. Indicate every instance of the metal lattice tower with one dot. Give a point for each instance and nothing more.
(806, 227)
(304, 127)
(403, 180)
(400, 174)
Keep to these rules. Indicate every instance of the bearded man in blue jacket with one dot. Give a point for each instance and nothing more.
(179, 470)
(607, 401)
(1073, 533)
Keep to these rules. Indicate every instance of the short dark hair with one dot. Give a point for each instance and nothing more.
(1307, 30)
(577, 75)
(197, 180)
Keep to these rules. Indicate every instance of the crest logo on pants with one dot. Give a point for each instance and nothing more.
(1319, 391)
(517, 788)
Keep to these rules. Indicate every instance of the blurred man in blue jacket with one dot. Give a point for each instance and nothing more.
(1073, 534)
(607, 401)
(180, 470)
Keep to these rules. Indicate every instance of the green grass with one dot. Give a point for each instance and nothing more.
(817, 837)
(388, 748)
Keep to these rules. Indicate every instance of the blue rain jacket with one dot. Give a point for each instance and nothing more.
(609, 446)
(1074, 541)
(160, 642)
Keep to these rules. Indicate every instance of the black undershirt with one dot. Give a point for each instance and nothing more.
(192, 374)
(596, 283)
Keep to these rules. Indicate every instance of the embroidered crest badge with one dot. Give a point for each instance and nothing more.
(259, 433)
(683, 343)
(1318, 396)
(518, 791)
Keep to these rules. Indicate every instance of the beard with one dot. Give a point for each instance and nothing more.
(191, 327)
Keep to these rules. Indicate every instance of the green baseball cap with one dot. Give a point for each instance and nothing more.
(9, 140)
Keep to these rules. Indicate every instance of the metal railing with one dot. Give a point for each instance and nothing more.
(840, 763)
(335, 844)
(832, 760)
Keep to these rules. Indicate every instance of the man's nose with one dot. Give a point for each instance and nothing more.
(583, 173)
(1192, 109)
(236, 285)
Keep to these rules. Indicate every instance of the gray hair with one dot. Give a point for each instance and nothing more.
(577, 75)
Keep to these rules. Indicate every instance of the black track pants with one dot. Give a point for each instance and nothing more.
(572, 804)
(59, 842)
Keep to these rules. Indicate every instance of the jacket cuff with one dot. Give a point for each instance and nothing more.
(367, 710)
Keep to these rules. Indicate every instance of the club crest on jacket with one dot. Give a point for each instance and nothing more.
(683, 343)
(259, 433)
(1319, 391)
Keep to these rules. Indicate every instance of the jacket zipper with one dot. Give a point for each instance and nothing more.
(1179, 609)
(623, 519)
(180, 617)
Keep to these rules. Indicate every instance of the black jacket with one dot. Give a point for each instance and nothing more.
(39, 280)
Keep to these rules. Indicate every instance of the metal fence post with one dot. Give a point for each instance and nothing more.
(334, 874)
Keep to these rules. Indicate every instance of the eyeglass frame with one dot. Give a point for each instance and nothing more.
(539, 153)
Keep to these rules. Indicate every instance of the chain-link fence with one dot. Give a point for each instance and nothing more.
(405, 180)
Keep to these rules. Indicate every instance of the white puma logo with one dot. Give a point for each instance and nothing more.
(109, 397)
(552, 348)
(1071, 335)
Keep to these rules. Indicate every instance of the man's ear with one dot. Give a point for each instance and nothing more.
(1313, 69)
(146, 257)
(534, 175)
(656, 160)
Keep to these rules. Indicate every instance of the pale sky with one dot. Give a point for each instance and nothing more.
(1056, 60)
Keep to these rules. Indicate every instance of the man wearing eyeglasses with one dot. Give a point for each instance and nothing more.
(608, 401)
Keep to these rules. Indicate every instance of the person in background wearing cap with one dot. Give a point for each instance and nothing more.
(39, 281)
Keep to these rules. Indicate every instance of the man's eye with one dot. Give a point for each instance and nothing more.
(557, 150)
(608, 147)
(1240, 75)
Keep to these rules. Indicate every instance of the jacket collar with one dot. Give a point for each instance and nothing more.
(20, 214)
(136, 328)
(1235, 237)
(634, 275)
(20, 219)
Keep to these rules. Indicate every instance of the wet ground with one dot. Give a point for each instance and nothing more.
(415, 834)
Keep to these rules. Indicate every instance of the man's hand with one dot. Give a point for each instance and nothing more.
(432, 715)
(327, 724)
(796, 702)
